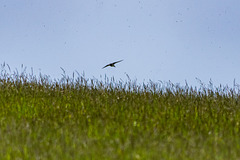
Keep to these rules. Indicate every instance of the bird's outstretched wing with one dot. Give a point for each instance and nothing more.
(117, 62)
(106, 66)
(112, 64)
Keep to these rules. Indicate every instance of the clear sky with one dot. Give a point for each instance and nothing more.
(158, 39)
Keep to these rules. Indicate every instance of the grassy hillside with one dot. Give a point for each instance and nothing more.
(78, 118)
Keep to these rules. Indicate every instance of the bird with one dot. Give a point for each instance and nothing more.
(112, 64)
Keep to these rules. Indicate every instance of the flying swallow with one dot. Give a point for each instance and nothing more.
(112, 64)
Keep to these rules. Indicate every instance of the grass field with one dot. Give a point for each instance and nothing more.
(79, 118)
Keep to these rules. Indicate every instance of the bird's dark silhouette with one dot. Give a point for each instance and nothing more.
(112, 64)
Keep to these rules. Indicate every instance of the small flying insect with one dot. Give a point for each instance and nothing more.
(112, 64)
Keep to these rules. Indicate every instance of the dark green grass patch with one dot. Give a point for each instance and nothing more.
(79, 118)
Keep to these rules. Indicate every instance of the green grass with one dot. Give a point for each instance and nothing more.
(79, 118)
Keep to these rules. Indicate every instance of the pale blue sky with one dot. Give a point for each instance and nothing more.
(158, 39)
